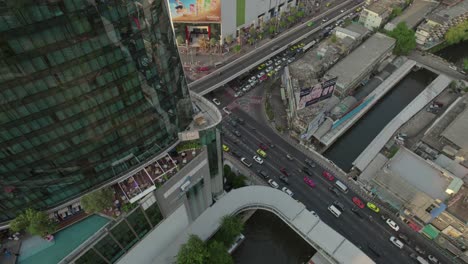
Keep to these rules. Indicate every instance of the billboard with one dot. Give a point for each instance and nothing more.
(314, 125)
(194, 11)
(319, 92)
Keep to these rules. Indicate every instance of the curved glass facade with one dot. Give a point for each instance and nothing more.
(84, 84)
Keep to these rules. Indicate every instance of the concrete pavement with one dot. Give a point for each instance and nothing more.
(436, 64)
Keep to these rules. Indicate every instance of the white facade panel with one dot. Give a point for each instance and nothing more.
(228, 18)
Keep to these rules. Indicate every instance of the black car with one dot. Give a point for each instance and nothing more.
(284, 179)
(237, 133)
(355, 210)
(310, 163)
(307, 171)
(236, 153)
(240, 121)
(263, 173)
(334, 190)
(374, 250)
(403, 237)
(338, 204)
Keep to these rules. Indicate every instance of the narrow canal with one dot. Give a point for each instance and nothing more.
(353, 142)
(455, 53)
(269, 240)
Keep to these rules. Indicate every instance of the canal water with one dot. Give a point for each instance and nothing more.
(346, 149)
(455, 53)
(269, 240)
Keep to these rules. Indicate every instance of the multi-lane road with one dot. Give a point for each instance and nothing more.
(369, 229)
(235, 68)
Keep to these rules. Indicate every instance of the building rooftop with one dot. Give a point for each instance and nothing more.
(446, 13)
(380, 7)
(414, 14)
(456, 132)
(458, 205)
(419, 173)
(363, 57)
(358, 28)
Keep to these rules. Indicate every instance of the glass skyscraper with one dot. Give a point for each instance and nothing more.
(84, 84)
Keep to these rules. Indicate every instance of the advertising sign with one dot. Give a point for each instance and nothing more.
(319, 92)
(313, 126)
(193, 11)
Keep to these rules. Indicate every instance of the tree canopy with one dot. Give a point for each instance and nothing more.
(231, 227)
(232, 179)
(457, 33)
(98, 200)
(193, 252)
(405, 39)
(218, 254)
(34, 222)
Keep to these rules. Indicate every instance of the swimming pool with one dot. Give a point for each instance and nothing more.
(66, 240)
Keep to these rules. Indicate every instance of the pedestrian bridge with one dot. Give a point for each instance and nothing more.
(328, 243)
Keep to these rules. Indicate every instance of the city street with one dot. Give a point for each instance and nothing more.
(370, 229)
(234, 69)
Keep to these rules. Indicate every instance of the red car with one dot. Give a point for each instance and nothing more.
(283, 170)
(309, 181)
(328, 176)
(358, 202)
(264, 77)
(263, 146)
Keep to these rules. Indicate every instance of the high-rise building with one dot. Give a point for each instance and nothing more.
(90, 89)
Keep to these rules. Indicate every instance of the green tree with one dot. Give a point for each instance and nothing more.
(457, 33)
(98, 200)
(300, 14)
(34, 222)
(465, 64)
(263, 26)
(227, 170)
(396, 12)
(238, 181)
(282, 24)
(193, 252)
(231, 227)
(251, 40)
(237, 48)
(252, 31)
(291, 19)
(405, 39)
(180, 40)
(271, 29)
(333, 39)
(218, 254)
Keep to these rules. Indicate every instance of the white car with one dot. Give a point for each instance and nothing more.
(433, 259)
(252, 79)
(268, 63)
(278, 62)
(287, 191)
(396, 242)
(269, 69)
(277, 69)
(392, 224)
(238, 94)
(216, 101)
(246, 162)
(342, 10)
(273, 184)
(246, 88)
(260, 74)
(258, 159)
(291, 60)
(226, 110)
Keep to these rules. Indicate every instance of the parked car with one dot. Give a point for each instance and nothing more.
(310, 163)
(289, 157)
(355, 210)
(236, 153)
(216, 101)
(268, 63)
(309, 182)
(328, 175)
(263, 78)
(273, 184)
(258, 159)
(237, 133)
(240, 121)
(252, 79)
(225, 148)
(307, 171)
(392, 224)
(260, 74)
(261, 66)
(358, 202)
(403, 237)
(287, 191)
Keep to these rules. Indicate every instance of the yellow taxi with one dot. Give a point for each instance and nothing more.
(271, 73)
(225, 148)
(373, 207)
(261, 153)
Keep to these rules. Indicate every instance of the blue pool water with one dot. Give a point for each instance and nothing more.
(38, 251)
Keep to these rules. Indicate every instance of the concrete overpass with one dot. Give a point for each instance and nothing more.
(329, 244)
(245, 63)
